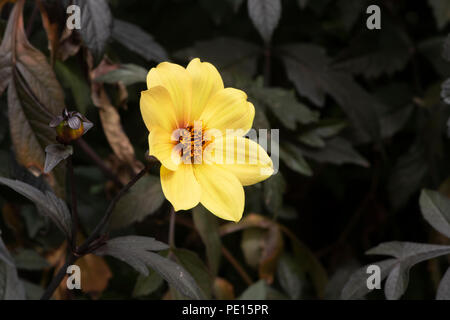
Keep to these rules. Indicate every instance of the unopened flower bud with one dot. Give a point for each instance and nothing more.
(70, 126)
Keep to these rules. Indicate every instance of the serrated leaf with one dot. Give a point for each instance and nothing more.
(284, 105)
(431, 49)
(337, 151)
(443, 292)
(207, 226)
(407, 254)
(143, 199)
(126, 73)
(138, 41)
(134, 251)
(47, 203)
(308, 67)
(323, 129)
(96, 25)
(407, 176)
(265, 15)
(228, 55)
(435, 209)
(293, 158)
(374, 54)
(356, 286)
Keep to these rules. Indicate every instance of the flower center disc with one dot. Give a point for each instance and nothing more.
(193, 142)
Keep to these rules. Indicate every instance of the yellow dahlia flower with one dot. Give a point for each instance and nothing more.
(196, 132)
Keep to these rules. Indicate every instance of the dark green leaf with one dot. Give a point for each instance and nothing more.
(446, 52)
(292, 156)
(265, 15)
(30, 260)
(407, 254)
(72, 79)
(337, 151)
(441, 10)
(407, 176)
(291, 277)
(138, 41)
(133, 250)
(284, 105)
(127, 73)
(195, 267)
(374, 54)
(356, 286)
(443, 292)
(207, 226)
(96, 25)
(143, 199)
(445, 93)
(307, 66)
(235, 4)
(302, 3)
(274, 189)
(55, 153)
(432, 50)
(11, 287)
(146, 285)
(436, 210)
(261, 291)
(46, 202)
(229, 55)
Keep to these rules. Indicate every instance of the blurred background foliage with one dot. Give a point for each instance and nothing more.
(363, 128)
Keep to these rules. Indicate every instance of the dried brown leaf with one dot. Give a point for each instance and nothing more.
(110, 118)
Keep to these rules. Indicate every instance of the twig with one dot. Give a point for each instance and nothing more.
(59, 277)
(354, 219)
(98, 229)
(267, 65)
(98, 161)
(74, 204)
(32, 19)
(94, 239)
(244, 275)
(172, 228)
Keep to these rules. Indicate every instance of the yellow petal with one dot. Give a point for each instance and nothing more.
(245, 158)
(222, 193)
(162, 147)
(157, 109)
(206, 81)
(180, 187)
(178, 83)
(229, 109)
